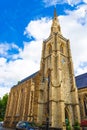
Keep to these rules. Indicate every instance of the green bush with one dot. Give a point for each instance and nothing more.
(76, 123)
(76, 126)
(1, 119)
(67, 122)
(68, 127)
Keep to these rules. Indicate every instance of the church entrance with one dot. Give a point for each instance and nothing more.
(67, 121)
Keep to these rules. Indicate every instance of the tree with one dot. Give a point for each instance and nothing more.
(3, 103)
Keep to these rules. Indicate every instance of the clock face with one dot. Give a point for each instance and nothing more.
(63, 61)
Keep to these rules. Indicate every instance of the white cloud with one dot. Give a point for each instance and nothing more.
(2, 61)
(74, 2)
(42, 26)
(3, 91)
(80, 14)
(55, 2)
(6, 47)
(85, 1)
(27, 63)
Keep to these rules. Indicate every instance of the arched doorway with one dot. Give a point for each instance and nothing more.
(67, 119)
(66, 116)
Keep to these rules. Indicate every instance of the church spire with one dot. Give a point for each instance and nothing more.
(55, 13)
(55, 24)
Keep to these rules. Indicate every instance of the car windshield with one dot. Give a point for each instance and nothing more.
(24, 124)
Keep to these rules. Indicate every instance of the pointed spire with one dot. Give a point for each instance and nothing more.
(55, 23)
(55, 12)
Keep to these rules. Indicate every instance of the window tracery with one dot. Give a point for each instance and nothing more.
(49, 52)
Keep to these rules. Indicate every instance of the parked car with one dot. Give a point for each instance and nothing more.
(1, 123)
(25, 125)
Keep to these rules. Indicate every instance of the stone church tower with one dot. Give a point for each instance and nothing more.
(49, 95)
(58, 98)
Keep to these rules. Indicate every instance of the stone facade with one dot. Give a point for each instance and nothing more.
(51, 92)
(23, 101)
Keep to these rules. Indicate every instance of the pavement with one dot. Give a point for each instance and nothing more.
(2, 128)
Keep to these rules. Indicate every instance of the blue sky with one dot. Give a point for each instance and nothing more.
(24, 24)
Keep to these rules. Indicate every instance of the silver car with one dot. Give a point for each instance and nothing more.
(25, 125)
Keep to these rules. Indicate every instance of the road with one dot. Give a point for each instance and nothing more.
(2, 128)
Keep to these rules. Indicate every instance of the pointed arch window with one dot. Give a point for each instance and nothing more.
(66, 114)
(61, 49)
(49, 52)
(50, 49)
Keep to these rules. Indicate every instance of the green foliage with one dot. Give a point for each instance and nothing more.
(3, 103)
(0, 119)
(68, 127)
(76, 125)
(18, 82)
(67, 122)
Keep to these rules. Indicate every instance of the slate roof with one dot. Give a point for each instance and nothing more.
(27, 78)
(81, 81)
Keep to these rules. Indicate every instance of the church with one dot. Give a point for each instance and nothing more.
(52, 94)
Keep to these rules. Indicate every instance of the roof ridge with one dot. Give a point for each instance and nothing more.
(80, 75)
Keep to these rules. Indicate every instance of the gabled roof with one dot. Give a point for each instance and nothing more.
(27, 78)
(81, 81)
